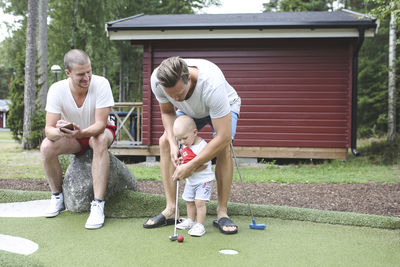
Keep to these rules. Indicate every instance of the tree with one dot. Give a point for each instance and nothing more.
(297, 5)
(30, 73)
(42, 53)
(392, 80)
(14, 50)
(4, 82)
(384, 9)
(372, 85)
(80, 24)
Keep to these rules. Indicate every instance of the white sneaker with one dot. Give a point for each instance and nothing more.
(56, 206)
(96, 217)
(197, 230)
(186, 224)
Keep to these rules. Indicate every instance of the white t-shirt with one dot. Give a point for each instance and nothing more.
(205, 175)
(61, 101)
(213, 96)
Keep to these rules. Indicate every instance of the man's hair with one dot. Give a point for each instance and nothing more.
(171, 70)
(75, 56)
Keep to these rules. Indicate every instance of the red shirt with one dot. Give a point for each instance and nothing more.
(187, 154)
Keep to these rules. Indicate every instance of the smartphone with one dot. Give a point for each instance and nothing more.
(68, 126)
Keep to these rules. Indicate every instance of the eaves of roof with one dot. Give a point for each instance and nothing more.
(152, 25)
(337, 19)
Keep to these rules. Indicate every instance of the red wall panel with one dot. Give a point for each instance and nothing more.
(295, 92)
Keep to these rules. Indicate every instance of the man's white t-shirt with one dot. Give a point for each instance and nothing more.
(61, 101)
(213, 96)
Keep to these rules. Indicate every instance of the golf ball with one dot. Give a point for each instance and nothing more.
(180, 238)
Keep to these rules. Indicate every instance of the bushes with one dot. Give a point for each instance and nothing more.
(382, 152)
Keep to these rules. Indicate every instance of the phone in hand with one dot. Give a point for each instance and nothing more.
(68, 126)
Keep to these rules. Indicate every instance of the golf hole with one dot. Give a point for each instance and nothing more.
(228, 252)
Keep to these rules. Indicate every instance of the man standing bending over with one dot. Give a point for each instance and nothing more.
(198, 89)
(85, 100)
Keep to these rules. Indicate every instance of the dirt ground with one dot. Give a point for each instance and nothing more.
(370, 198)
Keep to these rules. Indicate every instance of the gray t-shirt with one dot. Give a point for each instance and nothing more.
(213, 96)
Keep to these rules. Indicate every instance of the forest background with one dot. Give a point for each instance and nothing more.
(81, 24)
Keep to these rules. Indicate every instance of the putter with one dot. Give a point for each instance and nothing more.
(253, 225)
(175, 236)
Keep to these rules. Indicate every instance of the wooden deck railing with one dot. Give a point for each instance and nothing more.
(130, 112)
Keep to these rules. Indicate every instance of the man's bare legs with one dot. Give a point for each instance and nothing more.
(167, 169)
(50, 151)
(101, 163)
(224, 177)
(51, 165)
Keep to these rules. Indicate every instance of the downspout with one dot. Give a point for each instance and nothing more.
(354, 93)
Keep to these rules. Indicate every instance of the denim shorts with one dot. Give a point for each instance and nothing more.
(200, 123)
(198, 191)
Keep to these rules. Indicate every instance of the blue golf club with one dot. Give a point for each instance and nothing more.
(253, 225)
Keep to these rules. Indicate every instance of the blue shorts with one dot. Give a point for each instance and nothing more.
(200, 123)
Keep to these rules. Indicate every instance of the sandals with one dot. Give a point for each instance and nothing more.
(225, 221)
(159, 221)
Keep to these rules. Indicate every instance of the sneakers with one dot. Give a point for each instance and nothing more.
(56, 206)
(186, 224)
(96, 217)
(197, 230)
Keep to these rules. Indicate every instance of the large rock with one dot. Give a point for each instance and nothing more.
(78, 182)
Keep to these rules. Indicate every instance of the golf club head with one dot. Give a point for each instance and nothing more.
(256, 226)
(173, 237)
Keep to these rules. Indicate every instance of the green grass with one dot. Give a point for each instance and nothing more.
(369, 167)
(292, 236)
(124, 242)
(290, 239)
(18, 163)
(129, 204)
(5, 135)
(335, 171)
(9, 196)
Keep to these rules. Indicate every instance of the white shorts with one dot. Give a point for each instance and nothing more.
(198, 191)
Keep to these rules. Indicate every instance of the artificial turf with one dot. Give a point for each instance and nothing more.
(288, 240)
(63, 241)
(130, 204)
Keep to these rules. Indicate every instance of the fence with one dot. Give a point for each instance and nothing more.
(130, 112)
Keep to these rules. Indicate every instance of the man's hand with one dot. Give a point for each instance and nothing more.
(66, 131)
(182, 172)
(174, 154)
(62, 123)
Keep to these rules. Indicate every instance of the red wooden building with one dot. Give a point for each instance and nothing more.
(295, 72)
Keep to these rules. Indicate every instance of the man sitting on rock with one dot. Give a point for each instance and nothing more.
(84, 100)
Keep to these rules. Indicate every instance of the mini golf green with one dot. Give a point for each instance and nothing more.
(124, 242)
(63, 241)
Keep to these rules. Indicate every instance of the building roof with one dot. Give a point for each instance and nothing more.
(250, 25)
